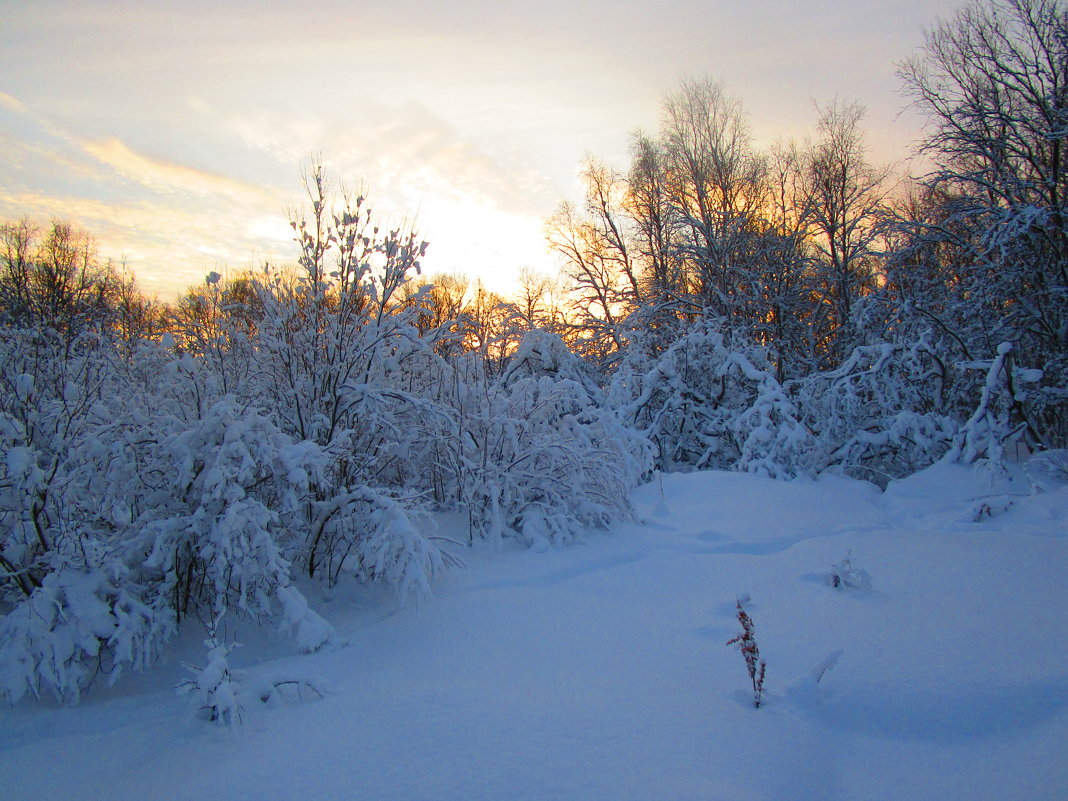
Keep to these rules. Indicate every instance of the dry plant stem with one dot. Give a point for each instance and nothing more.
(747, 644)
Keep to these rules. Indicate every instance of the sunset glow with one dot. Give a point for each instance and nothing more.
(175, 133)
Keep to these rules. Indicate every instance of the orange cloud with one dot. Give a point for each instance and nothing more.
(170, 178)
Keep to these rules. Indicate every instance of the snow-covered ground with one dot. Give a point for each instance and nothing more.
(600, 671)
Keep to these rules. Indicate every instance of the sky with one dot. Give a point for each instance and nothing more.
(176, 132)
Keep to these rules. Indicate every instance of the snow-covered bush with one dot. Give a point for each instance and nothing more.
(223, 693)
(342, 369)
(845, 573)
(215, 685)
(772, 441)
(53, 396)
(882, 414)
(76, 626)
(1049, 467)
(998, 420)
(710, 401)
(536, 454)
(370, 535)
(76, 478)
(308, 628)
(221, 542)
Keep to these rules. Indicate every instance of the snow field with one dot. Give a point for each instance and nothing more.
(600, 671)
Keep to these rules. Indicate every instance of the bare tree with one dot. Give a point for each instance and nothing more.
(843, 199)
(138, 317)
(440, 300)
(536, 304)
(716, 181)
(596, 265)
(53, 279)
(16, 291)
(648, 203)
(786, 323)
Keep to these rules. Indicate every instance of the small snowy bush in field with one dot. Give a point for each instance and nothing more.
(309, 629)
(216, 685)
(747, 644)
(223, 693)
(824, 667)
(991, 507)
(845, 573)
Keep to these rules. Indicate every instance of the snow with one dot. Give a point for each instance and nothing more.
(601, 671)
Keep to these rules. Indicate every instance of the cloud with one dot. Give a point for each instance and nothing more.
(482, 215)
(172, 221)
(400, 151)
(169, 178)
(12, 104)
(166, 220)
(169, 221)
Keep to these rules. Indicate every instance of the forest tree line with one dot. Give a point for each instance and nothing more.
(784, 311)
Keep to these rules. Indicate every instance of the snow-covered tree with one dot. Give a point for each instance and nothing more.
(991, 81)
